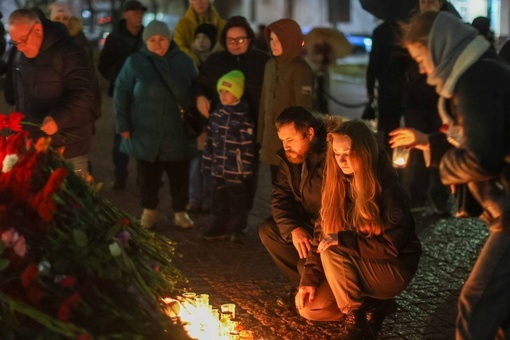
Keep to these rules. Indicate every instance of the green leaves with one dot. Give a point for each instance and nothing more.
(80, 238)
(115, 249)
(4, 263)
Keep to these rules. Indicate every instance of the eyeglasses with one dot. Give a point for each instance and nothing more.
(23, 42)
(236, 41)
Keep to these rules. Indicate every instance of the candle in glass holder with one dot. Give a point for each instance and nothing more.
(400, 156)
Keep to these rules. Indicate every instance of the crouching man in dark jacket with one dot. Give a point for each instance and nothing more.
(54, 85)
(296, 195)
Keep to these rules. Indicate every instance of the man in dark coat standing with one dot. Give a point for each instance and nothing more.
(54, 85)
(296, 195)
(119, 45)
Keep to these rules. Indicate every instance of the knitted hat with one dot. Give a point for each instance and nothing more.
(156, 27)
(209, 30)
(59, 9)
(232, 82)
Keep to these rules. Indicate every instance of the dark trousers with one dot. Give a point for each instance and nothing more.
(230, 207)
(283, 252)
(417, 175)
(390, 111)
(149, 175)
(120, 159)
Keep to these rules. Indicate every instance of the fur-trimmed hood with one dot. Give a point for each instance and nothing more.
(75, 26)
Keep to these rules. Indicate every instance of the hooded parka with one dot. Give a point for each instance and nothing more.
(288, 81)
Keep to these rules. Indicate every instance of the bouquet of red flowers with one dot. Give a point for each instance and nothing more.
(71, 264)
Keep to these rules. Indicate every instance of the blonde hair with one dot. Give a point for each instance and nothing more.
(364, 188)
(417, 30)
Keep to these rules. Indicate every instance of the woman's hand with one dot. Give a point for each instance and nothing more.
(125, 134)
(408, 137)
(204, 106)
(303, 291)
(328, 241)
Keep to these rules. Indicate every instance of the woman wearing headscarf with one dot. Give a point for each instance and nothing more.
(474, 105)
(151, 86)
(288, 81)
(199, 12)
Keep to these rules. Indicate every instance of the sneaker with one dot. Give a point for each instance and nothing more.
(215, 235)
(148, 218)
(193, 207)
(183, 221)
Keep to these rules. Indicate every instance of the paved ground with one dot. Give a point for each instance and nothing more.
(245, 275)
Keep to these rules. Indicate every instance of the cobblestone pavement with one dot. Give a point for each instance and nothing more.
(245, 275)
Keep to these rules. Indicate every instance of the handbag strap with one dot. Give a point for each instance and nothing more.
(181, 110)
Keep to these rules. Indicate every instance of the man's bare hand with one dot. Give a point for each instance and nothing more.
(301, 241)
(302, 294)
(49, 126)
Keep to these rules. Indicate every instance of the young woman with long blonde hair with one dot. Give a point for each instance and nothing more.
(367, 248)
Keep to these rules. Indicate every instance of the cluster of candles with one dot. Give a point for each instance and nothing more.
(203, 322)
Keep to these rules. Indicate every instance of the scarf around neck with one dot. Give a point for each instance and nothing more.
(454, 47)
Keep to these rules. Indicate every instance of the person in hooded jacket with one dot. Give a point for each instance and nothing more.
(119, 45)
(238, 39)
(198, 12)
(54, 85)
(60, 12)
(151, 86)
(288, 81)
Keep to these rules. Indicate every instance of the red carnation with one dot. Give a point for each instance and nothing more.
(14, 121)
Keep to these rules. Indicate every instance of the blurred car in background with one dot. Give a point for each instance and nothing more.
(362, 43)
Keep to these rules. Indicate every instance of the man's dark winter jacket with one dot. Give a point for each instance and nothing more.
(59, 82)
(296, 196)
(398, 243)
(117, 47)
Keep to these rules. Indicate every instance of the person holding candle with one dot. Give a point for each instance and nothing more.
(474, 89)
(365, 245)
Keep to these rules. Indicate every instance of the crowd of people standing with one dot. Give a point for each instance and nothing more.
(342, 227)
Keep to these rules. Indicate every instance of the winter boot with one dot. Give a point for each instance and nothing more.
(356, 326)
(148, 218)
(183, 221)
